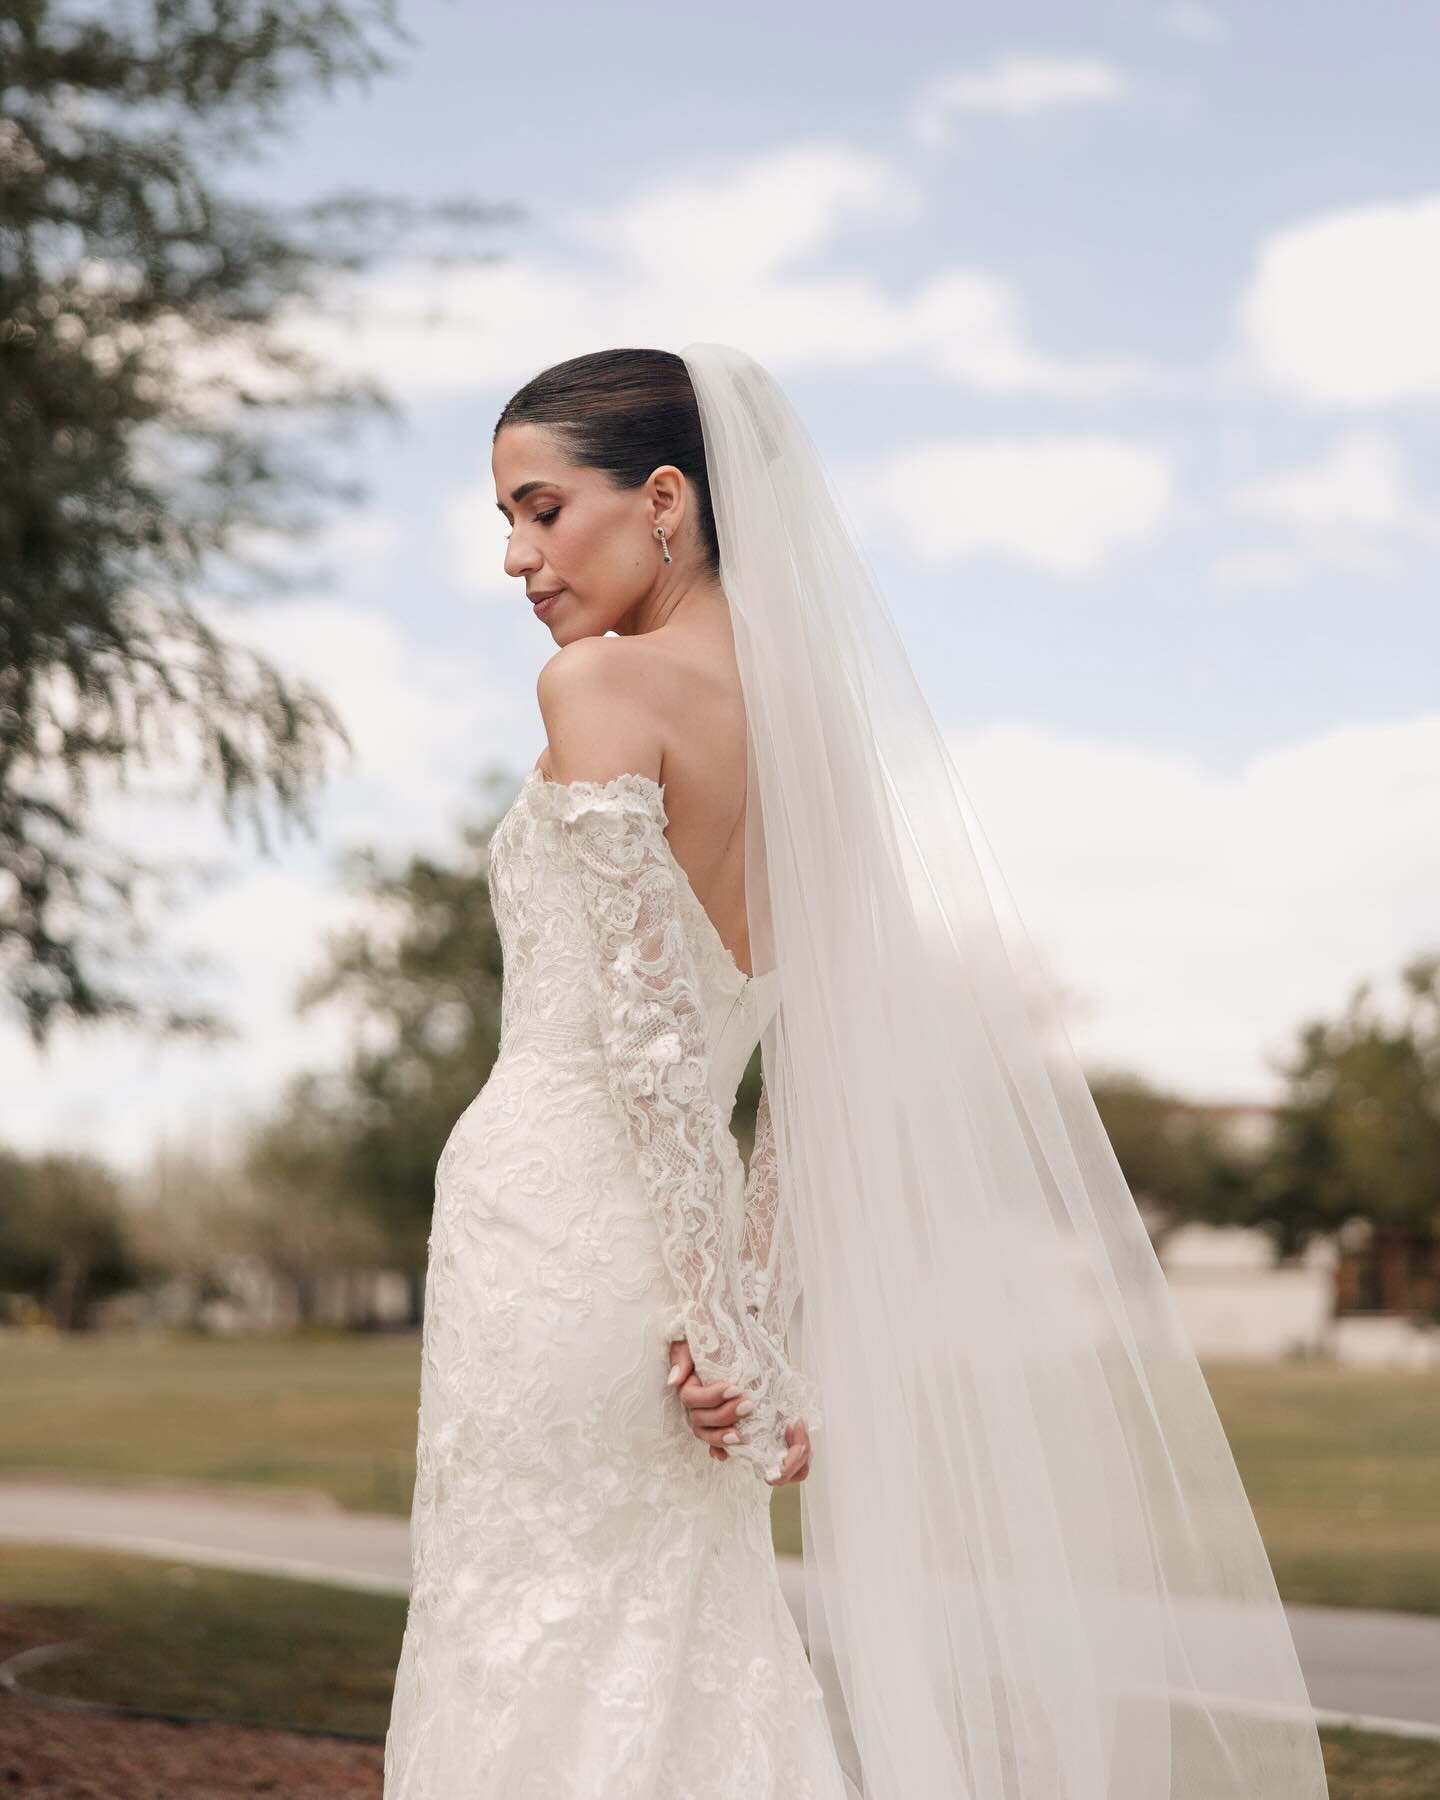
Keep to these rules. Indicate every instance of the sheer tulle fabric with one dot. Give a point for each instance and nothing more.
(1032, 1570)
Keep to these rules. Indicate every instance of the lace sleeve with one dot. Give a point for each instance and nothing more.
(768, 1259)
(657, 1064)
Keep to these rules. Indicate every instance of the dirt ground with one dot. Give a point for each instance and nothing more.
(54, 1754)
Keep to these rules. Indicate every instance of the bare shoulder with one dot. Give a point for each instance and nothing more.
(598, 702)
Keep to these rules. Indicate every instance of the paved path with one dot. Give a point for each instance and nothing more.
(1376, 1669)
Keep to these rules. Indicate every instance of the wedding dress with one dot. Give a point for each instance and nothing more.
(1032, 1571)
(595, 1611)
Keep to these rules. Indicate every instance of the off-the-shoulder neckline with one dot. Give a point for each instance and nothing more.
(537, 774)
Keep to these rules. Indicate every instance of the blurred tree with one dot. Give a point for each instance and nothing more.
(158, 421)
(421, 981)
(63, 1239)
(301, 1220)
(1359, 1135)
(1173, 1157)
(188, 1220)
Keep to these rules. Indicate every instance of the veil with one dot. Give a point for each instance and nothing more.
(1031, 1569)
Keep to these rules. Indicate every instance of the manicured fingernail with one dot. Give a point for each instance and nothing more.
(673, 1378)
(744, 1409)
(731, 1437)
(733, 1393)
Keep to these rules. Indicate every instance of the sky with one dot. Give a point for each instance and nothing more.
(1115, 326)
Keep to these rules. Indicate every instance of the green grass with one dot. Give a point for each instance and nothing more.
(180, 1637)
(263, 1650)
(1341, 1465)
(1363, 1766)
(329, 1411)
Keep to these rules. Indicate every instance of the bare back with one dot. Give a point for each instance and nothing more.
(691, 682)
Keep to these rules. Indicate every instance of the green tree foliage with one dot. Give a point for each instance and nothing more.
(1359, 1135)
(1174, 1159)
(300, 1218)
(159, 424)
(63, 1237)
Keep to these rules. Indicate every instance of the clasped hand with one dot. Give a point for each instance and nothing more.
(715, 1412)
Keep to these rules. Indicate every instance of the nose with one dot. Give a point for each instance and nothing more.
(522, 551)
(520, 555)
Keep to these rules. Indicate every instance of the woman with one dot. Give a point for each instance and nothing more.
(1032, 1571)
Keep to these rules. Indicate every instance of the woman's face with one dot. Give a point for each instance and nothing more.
(571, 531)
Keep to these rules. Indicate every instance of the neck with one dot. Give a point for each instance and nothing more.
(682, 601)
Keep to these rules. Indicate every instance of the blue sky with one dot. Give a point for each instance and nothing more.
(1115, 324)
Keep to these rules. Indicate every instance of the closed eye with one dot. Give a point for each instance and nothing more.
(543, 518)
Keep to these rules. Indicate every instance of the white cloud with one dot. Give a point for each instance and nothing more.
(1359, 484)
(1263, 566)
(709, 258)
(1201, 24)
(1341, 310)
(1201, 915)
(746, 222)
(474, 539)
(422, 718)
(1066, 505)
(365, 547)
(1015, 87)
(1350, 510)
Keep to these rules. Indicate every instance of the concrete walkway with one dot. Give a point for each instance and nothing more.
(1374, 1670)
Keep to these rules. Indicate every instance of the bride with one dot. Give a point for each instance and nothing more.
(1031, 1570)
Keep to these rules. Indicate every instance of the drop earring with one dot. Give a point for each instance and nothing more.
(660, 533)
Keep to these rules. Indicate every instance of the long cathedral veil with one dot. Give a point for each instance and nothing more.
(1032, 1572)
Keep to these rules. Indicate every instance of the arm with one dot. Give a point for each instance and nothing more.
(769, 1264)
(657, 1064)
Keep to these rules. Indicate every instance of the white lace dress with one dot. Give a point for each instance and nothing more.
(595, 1612)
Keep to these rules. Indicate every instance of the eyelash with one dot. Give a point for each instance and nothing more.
(543, 518)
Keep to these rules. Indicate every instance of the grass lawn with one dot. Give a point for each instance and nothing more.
(264, 1650)
(180, 1637)
(1341, 1465)
(327, 1410)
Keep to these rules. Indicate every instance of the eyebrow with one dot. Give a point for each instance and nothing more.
(526, 487)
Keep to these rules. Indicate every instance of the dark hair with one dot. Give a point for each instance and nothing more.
(624, 412)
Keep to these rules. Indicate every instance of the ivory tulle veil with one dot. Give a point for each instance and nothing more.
(1032, 1571)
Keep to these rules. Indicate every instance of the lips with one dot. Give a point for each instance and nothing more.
(535, 599)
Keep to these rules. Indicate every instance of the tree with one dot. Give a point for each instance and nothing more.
(300, 1218)
(1172, 1157)
(421, 982)
(1359, 1134)
(158, 423)
(63, 1237)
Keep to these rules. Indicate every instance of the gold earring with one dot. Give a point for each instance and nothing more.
(660, 533)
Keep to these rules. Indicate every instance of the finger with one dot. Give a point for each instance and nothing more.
(719, 1454)
(797, 1457)
(716, 1434)
(698, 1393)
(682, 1365)
(728, 1414)
(787, 1468)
